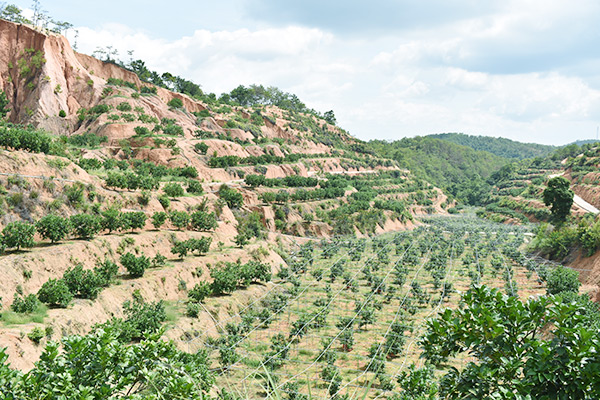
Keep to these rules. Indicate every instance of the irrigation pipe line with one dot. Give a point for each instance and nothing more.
(221, 323)
(271, 290)
(382, 249)
(391, 240)
(284, 306)
(389, 326)
(397, 372)
(355, 315)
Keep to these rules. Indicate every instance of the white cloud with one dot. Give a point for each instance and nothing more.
(511, 72)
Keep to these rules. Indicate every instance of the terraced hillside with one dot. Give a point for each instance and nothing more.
(345, 317)
(119, 187)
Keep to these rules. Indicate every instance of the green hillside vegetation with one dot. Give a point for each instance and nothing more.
(459, 169)
(283, 269)
(499, 146)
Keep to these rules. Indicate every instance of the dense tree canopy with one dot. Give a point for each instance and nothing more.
(559, 197)
(539, 349)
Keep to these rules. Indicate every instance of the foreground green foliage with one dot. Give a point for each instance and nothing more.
(539, 349)
(100, 365)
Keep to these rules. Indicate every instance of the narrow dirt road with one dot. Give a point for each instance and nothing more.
(579, 201)
(585, 205)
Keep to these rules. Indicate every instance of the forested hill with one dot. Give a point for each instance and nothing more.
(443, 163)
(499, 146)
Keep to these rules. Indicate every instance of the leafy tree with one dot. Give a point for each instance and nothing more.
(143, 318)
(18, 234)
(136, 266)
(100, 365)
(559, 197)
(225, 278)
(85, 226)
(201, 147)
(83, 283)
(200, 246)
(194, 187)
(159, 218)
(540, 349)
(134, 220)
(241, 239)
(180, 248)
(418, 383)
(329, 116)
(395, 339)
(175, 102)
(3, 104)
(254, 180)
(200, 291)
(105, 272)
(173, 190)
(27, 304)
(55, 293)
(53, 227)
(254, 271)
(203, 221)
(562, 279)
(179, 219)
(232, 197)
(164, 201)
(112, 219)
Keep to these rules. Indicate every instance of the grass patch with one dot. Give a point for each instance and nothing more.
(9, 317)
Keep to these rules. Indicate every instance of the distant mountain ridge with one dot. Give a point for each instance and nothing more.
(499, 146)
(441, 162)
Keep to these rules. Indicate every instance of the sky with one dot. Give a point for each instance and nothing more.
(527, 70)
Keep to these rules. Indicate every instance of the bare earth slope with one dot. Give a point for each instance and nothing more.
(44, 79)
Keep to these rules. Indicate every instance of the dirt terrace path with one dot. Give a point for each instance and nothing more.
(578, 200)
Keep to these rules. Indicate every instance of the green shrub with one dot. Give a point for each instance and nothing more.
(55, 293)
(194, 187)
(135, 266)
(562, 279)
(175, 102)
(192, 309)
(232, 197)
(62, 114)
(24, 138)
(36, 335)
(134, 220)
(148, 89)
(142, 131)
(87, 139)
(201, 147)
(159, 261)
(74, 193)
(25, 305)
(112, 219)
(18, 234)
(53, 227)
(124, 106)
(159, 218)
(200, 291)
(173, 189)
(203, 221)
(225, 279)
(85, 284)
(144, 318)
(85, 226)
(105, 272)
(164, 201)
(179, 219)
(200, 246)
